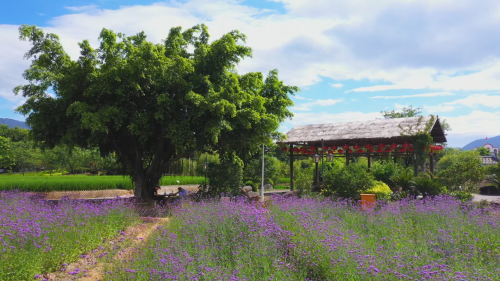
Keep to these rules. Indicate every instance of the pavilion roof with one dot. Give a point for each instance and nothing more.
(373, 131)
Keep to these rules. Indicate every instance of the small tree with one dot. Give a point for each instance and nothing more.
(6, 159)
(461, 169)
(347, 181)
(483, 151)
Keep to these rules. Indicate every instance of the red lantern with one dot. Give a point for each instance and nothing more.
(350, 151)
(406, 145)
(360, 151)
(303, 149)
(433, 147)
(380, 150)
(381, 146)
(296, 150)
(410, 149)
(356, 147)
(284, 149)
(331, 152)
(334, 147)
(340, 151)
(369, 146)
(402, 150)
(325, 147)
(393, 146)
(312, 148)
(345, 147)
(388, 150)
(370, 150)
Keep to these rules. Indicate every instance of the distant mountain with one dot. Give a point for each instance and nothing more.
(495, 141)
(13, 123)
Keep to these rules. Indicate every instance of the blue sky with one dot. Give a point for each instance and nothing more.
(351, 59)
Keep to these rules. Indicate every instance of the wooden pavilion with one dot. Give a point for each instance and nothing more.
(374, 138)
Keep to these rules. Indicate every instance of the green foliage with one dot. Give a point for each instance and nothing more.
(272, 169)
(461, 170)
(347, 181)
(429, 186)
(304, 178)
(411, 111)
(6, 159)
(151, 104)
(385, 171)
(405, 112)
(225, 177)
(403, 179)
(57, 182)
(381, 190)
(463, 196)
(14, 134)
(483, 151)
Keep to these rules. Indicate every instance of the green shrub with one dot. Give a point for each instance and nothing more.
(429, 186)
(463, 196)
(461, 171)
(380, 189)
(404, 179)
(347, 181)
(385, 171)
(304, 180)
(225, 177)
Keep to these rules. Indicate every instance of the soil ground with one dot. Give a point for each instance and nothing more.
(92, 266)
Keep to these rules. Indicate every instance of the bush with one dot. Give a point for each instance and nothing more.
(404, 179)
(463, 196)
(385, 171)
(461, 170)
(347, 181)
(225, 177)
(380, 189)
(304, 180)
(429, 186)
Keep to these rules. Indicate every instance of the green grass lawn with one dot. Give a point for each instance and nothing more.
(58, 182)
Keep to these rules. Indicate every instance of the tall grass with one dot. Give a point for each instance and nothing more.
(322, 239)
(37, 238)
(46, 183)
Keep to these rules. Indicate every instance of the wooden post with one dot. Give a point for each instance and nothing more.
(291, 167)
(347, 157)
(369, 161)
(316, 180)
(415, 165)
(431, 162)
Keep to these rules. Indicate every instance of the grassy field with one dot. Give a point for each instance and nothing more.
(39, 238)
(57, 182)
(321, 239)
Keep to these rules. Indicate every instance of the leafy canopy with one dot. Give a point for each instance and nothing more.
(151, 103)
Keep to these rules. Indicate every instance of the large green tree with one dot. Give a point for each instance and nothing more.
(151, 104)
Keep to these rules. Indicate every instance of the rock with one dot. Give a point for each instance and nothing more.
(268, 187)
(288, 194)
(246, 189)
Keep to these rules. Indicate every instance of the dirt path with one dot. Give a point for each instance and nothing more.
(91, 267)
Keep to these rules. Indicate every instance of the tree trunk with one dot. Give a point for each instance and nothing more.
(145, 185)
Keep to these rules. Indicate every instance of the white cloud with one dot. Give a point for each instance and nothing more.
(338, 85)
(309, 105)
(81, 8)
(435, 109)
(427, 95)
(477, 123)
(301, 98)
(478, 99)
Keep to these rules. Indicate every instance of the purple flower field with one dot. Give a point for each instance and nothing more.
(322, 239)
(37, 237)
